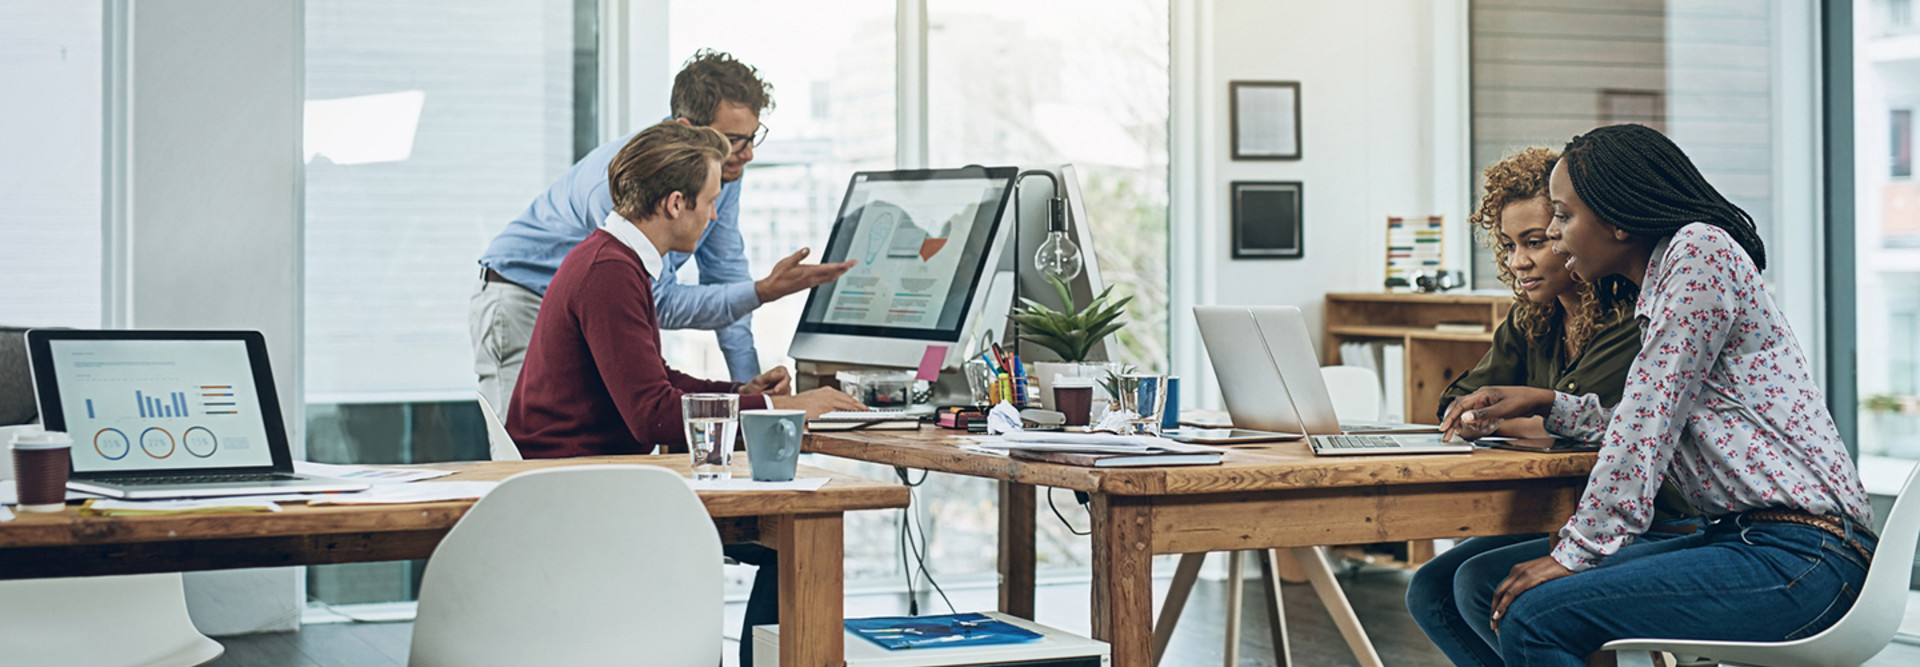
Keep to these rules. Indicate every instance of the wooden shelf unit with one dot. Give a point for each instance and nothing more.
(1433, 357)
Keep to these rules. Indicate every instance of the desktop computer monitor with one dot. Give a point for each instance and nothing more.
(925, 243)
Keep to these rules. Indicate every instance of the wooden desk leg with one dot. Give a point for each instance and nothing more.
(811, 590)
(1123, 578)
(1270, 561)
(1320, 573)
(1017, 508)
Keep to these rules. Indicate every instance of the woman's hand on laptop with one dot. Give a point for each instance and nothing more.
(1484, 409)
(775, 382)
(817, 402)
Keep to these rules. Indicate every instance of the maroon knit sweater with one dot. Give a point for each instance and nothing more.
(593, 382)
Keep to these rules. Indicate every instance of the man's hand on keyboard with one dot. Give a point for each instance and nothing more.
(817, 402)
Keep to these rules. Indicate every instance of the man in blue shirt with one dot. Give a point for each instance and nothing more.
(712, 90)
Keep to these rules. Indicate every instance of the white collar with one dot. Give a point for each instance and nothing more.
(626, 232)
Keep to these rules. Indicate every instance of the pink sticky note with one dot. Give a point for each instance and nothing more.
(930, 363)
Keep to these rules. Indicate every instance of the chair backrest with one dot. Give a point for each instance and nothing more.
(17, 403)
(500, 446)
(573, 566)
(1876, 614)
(1355, 392)
(123, 620)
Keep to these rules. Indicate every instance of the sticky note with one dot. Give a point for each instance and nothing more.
(930, 363)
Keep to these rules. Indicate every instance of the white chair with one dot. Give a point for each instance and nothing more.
(1355, 392)
(585, 565)
(500, 446)
(1859, 635)
(135, 619)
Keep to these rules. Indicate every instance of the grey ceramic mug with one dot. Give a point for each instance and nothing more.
(773, 442)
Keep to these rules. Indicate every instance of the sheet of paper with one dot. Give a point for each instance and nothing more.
(739, 484)
(5, 514)
(238, 504)
(369, 474)
(8, 496)
(399, 494)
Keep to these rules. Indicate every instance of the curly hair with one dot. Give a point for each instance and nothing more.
(711, 77)
(1523, 177)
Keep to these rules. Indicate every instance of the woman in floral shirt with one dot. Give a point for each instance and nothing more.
(1720, 398)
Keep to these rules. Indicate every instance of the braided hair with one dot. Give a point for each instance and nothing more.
(1636, 179)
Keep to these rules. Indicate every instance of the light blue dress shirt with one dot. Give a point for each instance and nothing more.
(530, 250)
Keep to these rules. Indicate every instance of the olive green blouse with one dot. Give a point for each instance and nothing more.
(1600, 369)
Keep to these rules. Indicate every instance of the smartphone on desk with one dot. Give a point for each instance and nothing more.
(1226, 436)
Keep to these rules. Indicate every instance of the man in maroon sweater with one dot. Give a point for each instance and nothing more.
(594, 382)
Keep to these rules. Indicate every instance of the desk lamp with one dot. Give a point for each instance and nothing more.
(1058, 255)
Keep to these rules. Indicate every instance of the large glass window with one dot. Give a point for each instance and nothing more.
(1887, 229)
(1702, 72)
(50, 163)
(832, 69)
(426, 131)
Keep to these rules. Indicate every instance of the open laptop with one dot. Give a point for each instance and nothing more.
(167, 414)
(1271, 381)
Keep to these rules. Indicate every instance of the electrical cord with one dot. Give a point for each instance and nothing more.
(918, 547)
(1063, 517)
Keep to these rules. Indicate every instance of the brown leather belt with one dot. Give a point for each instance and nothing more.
(1676, 529)
(492, 276)
(1836, 527)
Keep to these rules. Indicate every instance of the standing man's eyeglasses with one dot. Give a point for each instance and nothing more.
(741, 141)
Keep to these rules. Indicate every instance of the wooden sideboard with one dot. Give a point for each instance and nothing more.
(1433, 357)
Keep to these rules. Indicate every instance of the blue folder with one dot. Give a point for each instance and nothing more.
(908, 632)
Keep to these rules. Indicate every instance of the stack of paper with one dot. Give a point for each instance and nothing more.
(369, 474)
(395, 494)
(110, 507)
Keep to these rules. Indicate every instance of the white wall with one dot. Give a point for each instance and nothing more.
(1368, 84)
(203, 189)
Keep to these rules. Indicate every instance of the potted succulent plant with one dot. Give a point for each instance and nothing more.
(1071, 334)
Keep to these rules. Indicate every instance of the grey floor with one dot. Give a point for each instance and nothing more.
(1376, 596)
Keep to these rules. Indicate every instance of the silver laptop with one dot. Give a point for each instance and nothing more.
(167, 414)
(1271, 381)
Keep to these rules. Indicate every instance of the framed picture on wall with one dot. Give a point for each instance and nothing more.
(1266, 220)
(1265, 119)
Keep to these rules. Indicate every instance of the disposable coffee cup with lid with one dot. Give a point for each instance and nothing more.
(40, 462)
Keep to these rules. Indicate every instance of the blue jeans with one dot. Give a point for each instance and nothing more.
(1738, 580)
(1451, 596)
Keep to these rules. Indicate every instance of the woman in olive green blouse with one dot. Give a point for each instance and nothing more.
(1562, 334)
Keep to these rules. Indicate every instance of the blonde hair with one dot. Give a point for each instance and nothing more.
(1523, 177)
(659, 161)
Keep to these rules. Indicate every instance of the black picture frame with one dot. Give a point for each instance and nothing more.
(1267, 128)
(1268, 219)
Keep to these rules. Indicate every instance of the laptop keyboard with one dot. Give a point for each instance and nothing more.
(1352, 442)
(228, 478)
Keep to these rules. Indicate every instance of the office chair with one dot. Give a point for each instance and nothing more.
(500, 446)
(1856, 637)
(575, 566)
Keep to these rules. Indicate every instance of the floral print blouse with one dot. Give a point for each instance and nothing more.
(1720, 398)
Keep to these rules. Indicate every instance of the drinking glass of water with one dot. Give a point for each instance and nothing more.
(1146, 397)
(712, 422)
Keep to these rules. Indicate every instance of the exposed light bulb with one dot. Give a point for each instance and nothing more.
(1059, 256)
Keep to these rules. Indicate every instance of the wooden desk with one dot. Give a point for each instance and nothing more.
(805, 527)
(1263, 496)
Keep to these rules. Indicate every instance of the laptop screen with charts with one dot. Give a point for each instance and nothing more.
(1271, 381)
(192, 412)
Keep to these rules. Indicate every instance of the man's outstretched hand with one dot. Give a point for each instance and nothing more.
(775, 382)
(789, 276)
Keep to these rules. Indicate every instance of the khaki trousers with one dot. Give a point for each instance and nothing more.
(500, 322)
